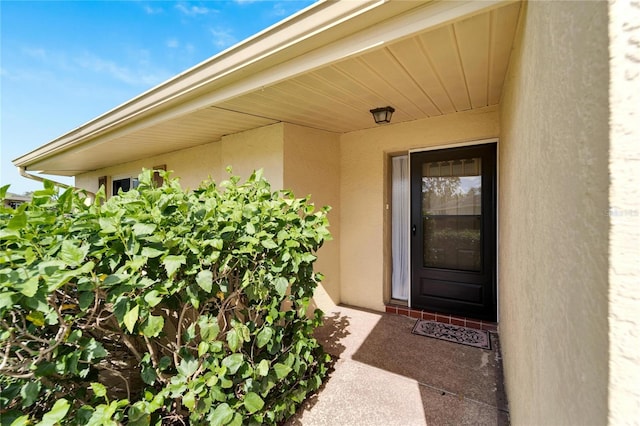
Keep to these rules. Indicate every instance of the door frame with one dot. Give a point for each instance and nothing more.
(497, 236)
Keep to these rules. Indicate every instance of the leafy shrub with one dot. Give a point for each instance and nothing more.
(159, 305)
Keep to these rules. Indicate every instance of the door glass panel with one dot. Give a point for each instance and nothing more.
(451, 214)
(400, 228)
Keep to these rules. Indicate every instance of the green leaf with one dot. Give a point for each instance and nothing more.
(36, 318)
(28, 287)
(221, 415)
(216, 346)
(18, 221)
(153, 298)
(138, 416)
(95, 350)
(148, 374)
(9, 234)
(209, 329)
(72, 254)
(172, 263)
(143, 229)
(203, 348)
(237, 420)
(233, 362)
(264, 336)
(57, 413)
(253, 402)
(21, 421)
(131, 317)
(308, 257)
(234, 340)
(112, 279)
(150, 252)
(99, 389)
(6, 299)
(189, 400)
(85, 299)
(153, 326)
(187, 367)
(164, 362)
(250, 229)
(205, 280)
(281, 370)
(29, 393)
(190, 333)
(107, 225)
(263, 367)
(269, 244)
(281, 284)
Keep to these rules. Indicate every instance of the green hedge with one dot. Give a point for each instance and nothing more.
(159, 304)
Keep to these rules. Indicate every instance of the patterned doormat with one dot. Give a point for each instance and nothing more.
(453, 333)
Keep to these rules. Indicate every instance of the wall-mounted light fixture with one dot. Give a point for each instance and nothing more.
(382, 115)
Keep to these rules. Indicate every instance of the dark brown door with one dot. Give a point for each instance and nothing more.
(453, 242)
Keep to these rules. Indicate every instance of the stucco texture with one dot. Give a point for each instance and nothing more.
(553, 216)
(312, 167)
(363, 199)
(624, 213)
(191, 165)
(245, 152)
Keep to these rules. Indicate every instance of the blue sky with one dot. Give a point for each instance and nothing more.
(66, 62)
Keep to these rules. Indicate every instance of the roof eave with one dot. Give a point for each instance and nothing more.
(260, 47)
(279, 52)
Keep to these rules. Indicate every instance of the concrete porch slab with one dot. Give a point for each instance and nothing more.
(384, 375)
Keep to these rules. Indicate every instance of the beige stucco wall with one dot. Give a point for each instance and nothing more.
(191, 165)
(624, 220)
(312, 167)
(261, 148)
(245, 152)
(553, 216)
(363, 192)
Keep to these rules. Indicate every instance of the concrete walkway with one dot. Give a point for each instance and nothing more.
(384, 375)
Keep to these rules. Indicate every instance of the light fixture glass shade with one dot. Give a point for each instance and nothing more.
(382, 115)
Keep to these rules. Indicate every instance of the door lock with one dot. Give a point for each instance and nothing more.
(413, 230)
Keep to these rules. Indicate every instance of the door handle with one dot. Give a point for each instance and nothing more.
(413, 230)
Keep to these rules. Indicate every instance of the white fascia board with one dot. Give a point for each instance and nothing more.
(177, 91)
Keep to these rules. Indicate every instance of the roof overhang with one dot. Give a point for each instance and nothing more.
(324, 67)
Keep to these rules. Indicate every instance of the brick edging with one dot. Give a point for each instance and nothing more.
(444, 318)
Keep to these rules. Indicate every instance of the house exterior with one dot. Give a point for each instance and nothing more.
(530, 104)
(15, 200)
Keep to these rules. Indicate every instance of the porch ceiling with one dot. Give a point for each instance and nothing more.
(452, 67)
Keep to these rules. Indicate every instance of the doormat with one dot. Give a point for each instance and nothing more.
(453, 333)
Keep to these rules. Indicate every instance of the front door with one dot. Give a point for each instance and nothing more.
(453, 231)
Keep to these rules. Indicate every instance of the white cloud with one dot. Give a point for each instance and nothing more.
(150, 10)
(35, 52)
(279, 9)
(222, 38)
(138, 76)
(173, 43)
(191, 10)
(26, 74)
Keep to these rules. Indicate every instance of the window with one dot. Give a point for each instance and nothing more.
(158, 181)
(124, 185)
